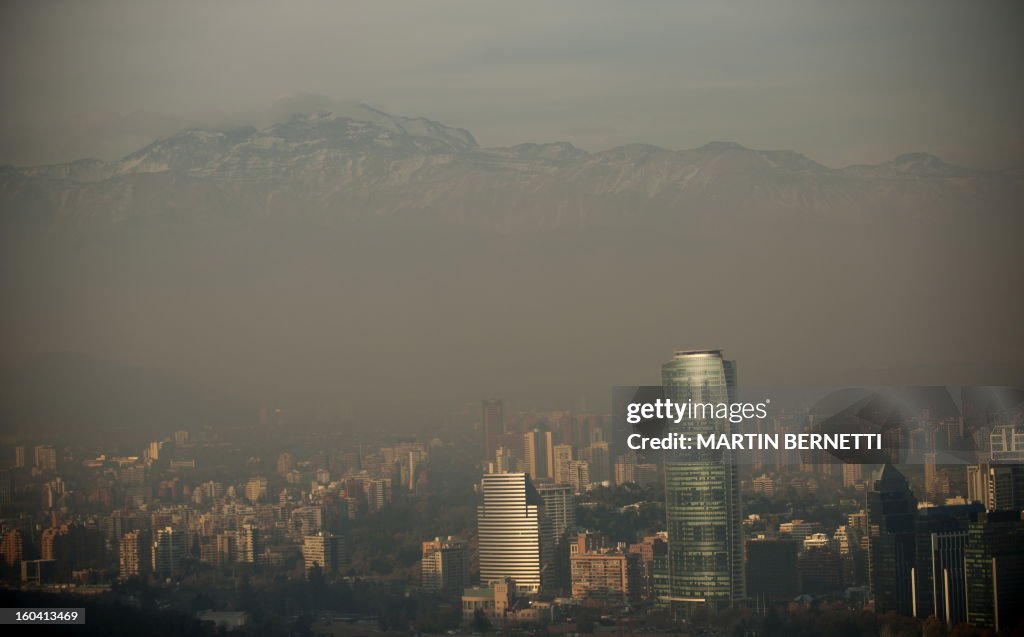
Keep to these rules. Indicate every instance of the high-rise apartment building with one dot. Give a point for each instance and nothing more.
(247, 544)
(46, 458)
(702, 490)
(764, 484)
(445, 564)
(1006, 444)
(852, 475)
(169, 547)
(12, 548)
(306, 520)
(325, 551)
(562, 457)
(977, 483)
(492, 421)
(515, 535)
(256, 489)
(225, 549)
(624, 468)
(505, 461)
(579, 476)
(378, 493)
(285, 463)
(537, 453)
(930, 476)
(599, 457)
(559, 507)
(134, 555)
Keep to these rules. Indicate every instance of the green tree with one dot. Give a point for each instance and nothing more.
(480, 622)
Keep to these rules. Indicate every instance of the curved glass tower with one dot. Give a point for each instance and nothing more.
(702, 491)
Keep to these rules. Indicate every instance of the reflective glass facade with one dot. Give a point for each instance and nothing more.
(702, 492)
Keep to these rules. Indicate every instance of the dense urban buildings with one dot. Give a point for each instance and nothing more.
(644, 540)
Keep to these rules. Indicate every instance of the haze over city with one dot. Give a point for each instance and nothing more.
(318, 267)
(458, 318)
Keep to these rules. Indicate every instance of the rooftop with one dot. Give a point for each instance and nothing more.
(687, 353)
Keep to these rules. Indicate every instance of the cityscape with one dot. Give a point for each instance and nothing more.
(533, 522)
(332, 318)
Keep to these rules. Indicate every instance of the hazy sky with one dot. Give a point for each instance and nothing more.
(842, 82)
(276, 307)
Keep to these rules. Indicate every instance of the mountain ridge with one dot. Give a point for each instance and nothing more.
(328, 260)
(364, 162)
(297, 126)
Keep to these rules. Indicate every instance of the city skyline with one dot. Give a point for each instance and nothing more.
(332, 319)
(304, 511)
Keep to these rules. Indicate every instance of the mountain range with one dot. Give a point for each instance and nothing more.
(364, 162)
(392, 267)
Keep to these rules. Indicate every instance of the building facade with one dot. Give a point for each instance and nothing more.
(134, 559)
(445, 564)
(169, 546)
(515, 535)
(324, 551)
(702, 491)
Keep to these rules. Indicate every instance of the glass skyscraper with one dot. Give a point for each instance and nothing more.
(705, 554)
